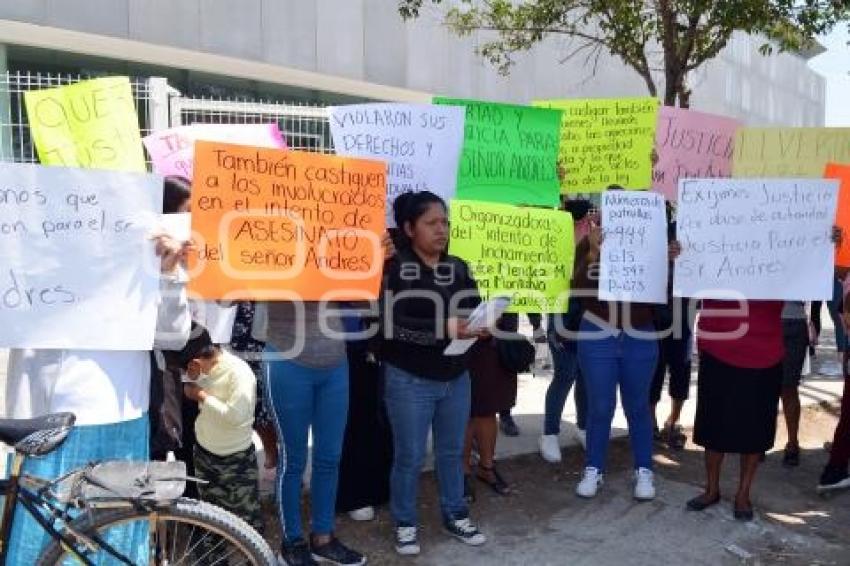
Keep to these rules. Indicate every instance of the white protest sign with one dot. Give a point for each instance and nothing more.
(77, 266)
(633, 264)
(761, 239)
(421, 144)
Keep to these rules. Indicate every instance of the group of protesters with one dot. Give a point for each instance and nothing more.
(290, 371)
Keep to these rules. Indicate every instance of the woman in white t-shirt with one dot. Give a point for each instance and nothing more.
(108, 391)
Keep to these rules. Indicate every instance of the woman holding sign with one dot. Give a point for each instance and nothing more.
(108, 393)
(617, 346)
(424, 288)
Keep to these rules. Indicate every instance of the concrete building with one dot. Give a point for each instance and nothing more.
(336, 50)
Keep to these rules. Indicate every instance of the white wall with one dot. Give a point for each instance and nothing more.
(367, 40)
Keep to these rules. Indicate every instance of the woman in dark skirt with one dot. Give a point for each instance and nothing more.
(494, 388)
(740, 378)
(367, 449)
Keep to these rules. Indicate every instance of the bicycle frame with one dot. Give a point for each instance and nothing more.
(34, 503)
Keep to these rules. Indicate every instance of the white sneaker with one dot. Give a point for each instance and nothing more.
(406, 542)
(590, 482)
(581, 437)
(550, 448)
(644, 485)
(362, 514)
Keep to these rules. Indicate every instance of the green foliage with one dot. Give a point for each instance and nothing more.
(685, 33)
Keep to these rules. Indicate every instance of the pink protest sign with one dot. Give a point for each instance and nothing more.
(172, 151)
(691, 145)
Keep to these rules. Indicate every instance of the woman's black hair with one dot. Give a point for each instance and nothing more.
(175, 191)
(578, 208)
(408, 207)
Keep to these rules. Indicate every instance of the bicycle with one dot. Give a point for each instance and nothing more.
(87, 511)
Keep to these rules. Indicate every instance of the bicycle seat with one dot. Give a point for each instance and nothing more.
(39, 436)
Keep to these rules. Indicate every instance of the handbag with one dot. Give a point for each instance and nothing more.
(516, 352)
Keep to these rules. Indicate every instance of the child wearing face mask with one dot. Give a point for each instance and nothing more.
(225, 389)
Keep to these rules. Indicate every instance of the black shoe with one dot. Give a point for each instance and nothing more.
(743, 514)
(334, 552)
(791, 458)
(700, 503)
(834, 478)
(464, 531)
(497, 484)
(508, 426)
(673, 437)
(296, 553)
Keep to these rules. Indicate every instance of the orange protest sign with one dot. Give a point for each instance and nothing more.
(287, 225)
(842, 211)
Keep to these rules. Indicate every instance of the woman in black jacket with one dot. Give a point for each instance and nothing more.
(425, 292)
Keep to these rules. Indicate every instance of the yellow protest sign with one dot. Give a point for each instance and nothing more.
(605, 141)
(521, 252)
(789, 152)
(90, 124)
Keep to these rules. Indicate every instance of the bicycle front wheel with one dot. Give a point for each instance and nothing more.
(187, 532)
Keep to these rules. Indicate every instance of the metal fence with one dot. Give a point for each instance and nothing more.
(15, 140)
(160, 106)
(305, 127)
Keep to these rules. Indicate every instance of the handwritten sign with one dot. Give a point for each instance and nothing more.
(606, 142)
(789, 152)
(756, 239)
(509, 153)
(286, 225)
(77, 267)
(691, 145)
(90, 124)
(842, 216)
(172, 150)
(634, 250)
(421, 144)
(524, 253)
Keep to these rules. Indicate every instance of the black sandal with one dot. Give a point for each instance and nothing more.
(699, 503)
(498, 485)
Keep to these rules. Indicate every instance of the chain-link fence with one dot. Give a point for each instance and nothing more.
(159, 106)
(15, 140)
(305, 127)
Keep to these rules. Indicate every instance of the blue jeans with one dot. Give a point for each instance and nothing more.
(300, 398)
(567, 372)
(627, 361)
(414, 405)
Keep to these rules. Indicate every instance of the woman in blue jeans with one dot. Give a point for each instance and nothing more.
(560, 330)
(617, 347)
(424, 292)
(307, 388)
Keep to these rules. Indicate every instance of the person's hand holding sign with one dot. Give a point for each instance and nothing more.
(171, 252)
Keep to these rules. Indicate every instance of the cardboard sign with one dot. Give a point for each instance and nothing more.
(509, 153)
(421, 144)
(91, 124)
(286, 225)
(77, 267)
(842, 215)
(691, 145)
(522, 253)
(789, 152)
(756, 239)
(606, 142)
(633, 265)
(172, 151)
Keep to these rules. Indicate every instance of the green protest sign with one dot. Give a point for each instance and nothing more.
(606, 142)
(510, 153)
(521, 252)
